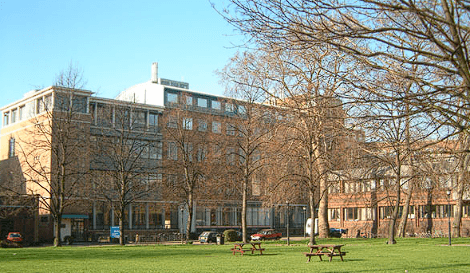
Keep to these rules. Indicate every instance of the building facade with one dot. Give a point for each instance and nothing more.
(159, 126)
(145, 110)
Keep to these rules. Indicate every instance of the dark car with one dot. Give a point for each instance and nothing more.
(239, 236)
(266, 234)
(337, 232)
(208, 236)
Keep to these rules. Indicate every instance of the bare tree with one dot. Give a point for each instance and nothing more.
(373, 31)
(303, 90)
(251, 131)
(53, 152)
(126, 158)
(189, 150)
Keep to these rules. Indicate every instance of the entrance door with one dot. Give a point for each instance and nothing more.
(78, 229)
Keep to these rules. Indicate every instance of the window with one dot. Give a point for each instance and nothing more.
(241, 110)
(62, 103)
(172, 151)
(217, 151)
(153, 119)
(351, 214)
(172, 97)
(14, 115)
(43, 104)
(216, 105)
(231, 156)
(231, 130)
(104, 114)
(155, 150)
(202, 102)
(79, 104)
(333, 214)
(202, 125)
(216, 127)
(21, 112)
(172, 122)
(229, 107)
(386, 212)
(188, 151)
(189, 100)
(11, 148)
(256, 187)
(138, 216)
(187, 123)
(6, 118)
(139, 119)
(122, 119)
(201, 153)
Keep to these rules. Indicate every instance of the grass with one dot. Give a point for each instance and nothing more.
(364, 255)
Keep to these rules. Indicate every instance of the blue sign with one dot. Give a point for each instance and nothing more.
(115, 232)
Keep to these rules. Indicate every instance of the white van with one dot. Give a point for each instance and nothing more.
(308, 226)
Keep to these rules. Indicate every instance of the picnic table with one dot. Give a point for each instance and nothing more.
(327, 249)
(255, 246)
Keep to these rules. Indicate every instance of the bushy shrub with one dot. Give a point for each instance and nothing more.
(230, 235)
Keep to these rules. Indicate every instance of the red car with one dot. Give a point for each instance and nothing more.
(15, 237)
(266, 234)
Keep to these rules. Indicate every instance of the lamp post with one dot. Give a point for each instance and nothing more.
(448, 214)
(182, 225)
(305, 220)
(287, 203)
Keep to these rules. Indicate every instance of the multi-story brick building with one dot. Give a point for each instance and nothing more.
(149, 112)
(146, 108)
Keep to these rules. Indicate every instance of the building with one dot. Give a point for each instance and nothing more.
(140, 125)
(143, 110)
(362, 199)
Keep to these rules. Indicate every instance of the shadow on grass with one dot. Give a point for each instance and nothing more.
(443, 268)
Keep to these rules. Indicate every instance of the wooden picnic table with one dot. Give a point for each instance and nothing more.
(329, 250)
(255, 246)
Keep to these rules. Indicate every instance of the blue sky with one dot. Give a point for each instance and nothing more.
(113, 42)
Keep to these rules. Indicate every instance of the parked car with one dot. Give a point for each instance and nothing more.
(266, 234)
(239, 236)
(337, 232)
(15, 237)
(208, 236)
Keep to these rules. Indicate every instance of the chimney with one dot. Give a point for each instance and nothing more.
(154, 72)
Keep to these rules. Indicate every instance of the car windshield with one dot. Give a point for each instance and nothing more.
(15, 235)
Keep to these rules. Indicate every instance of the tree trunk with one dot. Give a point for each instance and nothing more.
(244, 201)
(121, 227)
(323, 226)
(393, 220)
(311, 202)
(406, 209)
(462, 179)
(57, 224)
(190, 215)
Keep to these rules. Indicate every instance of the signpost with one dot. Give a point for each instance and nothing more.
(115, 232)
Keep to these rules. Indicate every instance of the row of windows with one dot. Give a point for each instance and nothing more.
(202, 126)
(62, 102)
(204, 103)
(445, 182)
(109, 115)
(424, 211)
(231, 154)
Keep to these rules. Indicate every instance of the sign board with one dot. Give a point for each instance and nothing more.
(115, 232)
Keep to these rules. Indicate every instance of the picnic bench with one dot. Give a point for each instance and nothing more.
(328, 250)
(255, 246)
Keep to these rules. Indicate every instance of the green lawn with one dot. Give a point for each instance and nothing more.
(414, 255)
